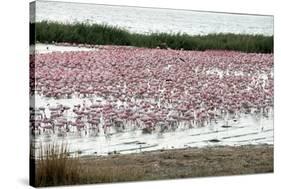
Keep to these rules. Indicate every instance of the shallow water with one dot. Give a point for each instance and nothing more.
(249, 129)
(147, 20)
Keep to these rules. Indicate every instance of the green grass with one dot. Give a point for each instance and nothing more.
(99, 34)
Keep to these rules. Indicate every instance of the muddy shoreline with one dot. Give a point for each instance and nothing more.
(178, 163)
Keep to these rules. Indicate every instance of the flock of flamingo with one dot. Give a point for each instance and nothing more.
(116, 89)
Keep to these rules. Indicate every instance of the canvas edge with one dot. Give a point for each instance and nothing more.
(32, 13)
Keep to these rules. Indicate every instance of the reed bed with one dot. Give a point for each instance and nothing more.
(101, 34)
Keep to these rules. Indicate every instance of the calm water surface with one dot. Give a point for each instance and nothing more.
(147, 20)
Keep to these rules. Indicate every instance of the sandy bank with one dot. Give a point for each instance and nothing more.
(180, 163)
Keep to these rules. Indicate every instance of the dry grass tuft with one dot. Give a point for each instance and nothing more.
(55, 167)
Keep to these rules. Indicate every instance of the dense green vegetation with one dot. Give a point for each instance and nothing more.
(48, 32)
